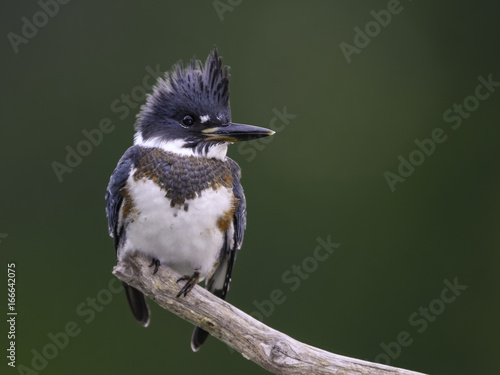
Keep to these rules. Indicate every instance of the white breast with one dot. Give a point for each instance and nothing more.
(186, 241)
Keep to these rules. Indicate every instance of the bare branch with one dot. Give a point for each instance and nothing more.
(271, 349)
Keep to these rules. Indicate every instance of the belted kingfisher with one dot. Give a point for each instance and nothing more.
(175, 195)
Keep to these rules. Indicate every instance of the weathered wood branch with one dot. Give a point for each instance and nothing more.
(271, 349)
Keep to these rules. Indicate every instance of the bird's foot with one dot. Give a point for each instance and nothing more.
(155, 262)
(191, 281)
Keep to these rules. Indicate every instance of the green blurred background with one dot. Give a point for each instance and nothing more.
(321, 175)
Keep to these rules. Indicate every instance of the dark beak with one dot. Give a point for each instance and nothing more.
(236, 133)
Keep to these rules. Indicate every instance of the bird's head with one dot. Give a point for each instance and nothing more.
(189, 112)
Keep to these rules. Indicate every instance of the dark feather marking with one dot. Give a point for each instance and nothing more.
(182, 177)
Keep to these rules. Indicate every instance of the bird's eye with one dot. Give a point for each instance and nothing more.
(188, 120)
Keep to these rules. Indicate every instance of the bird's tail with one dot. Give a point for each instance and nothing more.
(138, 305)
(198, 338)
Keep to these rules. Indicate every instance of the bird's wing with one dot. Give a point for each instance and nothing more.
(218, 284)
(114, 200)
(114, 196)
(240, 215)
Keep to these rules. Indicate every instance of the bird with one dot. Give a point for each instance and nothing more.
(175, 196)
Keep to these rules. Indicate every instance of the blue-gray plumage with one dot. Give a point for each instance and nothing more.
(175, 195)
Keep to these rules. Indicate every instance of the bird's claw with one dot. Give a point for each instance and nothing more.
(191, 281)
(156, 263)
